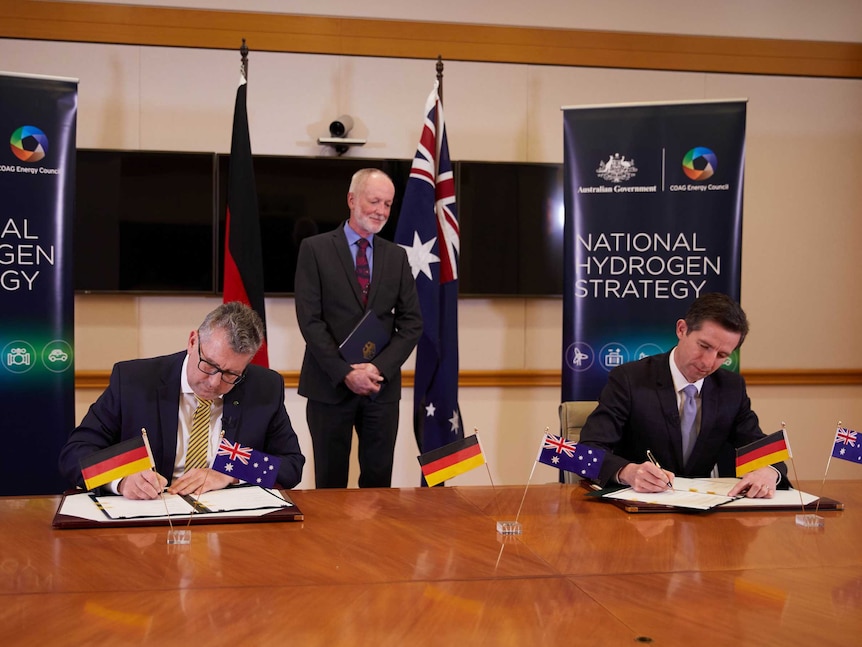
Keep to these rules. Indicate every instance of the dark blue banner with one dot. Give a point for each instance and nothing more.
(37, 185)
(653, 198)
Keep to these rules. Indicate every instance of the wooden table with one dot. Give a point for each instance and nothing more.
(427, 567)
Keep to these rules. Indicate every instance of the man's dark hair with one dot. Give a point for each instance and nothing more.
(720, 308)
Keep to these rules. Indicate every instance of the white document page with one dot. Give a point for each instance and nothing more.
(704, 494)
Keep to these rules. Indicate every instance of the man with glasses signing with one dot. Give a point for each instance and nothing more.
(213, 376)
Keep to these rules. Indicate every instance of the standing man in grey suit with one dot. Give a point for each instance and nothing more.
(640, 408)
(331, 298)
(160, 394)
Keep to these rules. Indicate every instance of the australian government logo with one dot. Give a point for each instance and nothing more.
(617, 169)
(619, 173)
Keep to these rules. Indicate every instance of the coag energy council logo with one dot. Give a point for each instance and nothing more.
(699, 164)
(29, 144)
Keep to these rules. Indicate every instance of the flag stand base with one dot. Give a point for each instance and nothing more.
(509, 528)
(179, 536)
(809, 520)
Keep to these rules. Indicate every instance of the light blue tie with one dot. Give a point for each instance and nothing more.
(689, 414)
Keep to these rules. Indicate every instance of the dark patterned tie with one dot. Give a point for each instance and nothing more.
(363, 272)
(689, 414)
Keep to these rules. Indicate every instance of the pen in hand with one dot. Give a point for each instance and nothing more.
(655, 462)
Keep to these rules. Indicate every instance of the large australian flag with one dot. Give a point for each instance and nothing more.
(428, 231)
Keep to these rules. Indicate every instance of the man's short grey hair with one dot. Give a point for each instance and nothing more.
(360, 178)
(244, 327)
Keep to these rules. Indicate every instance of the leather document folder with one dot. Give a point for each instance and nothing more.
(365, 341)
(234, 504)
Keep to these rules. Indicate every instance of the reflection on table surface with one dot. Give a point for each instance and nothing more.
(426, 566)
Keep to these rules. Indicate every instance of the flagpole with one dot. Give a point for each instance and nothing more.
(162, 492)
(243, 60)
(488, 469)
(826, 472)
(529, 480)
(440, 77)
(438, 119)
(803, 519)
(792, 464)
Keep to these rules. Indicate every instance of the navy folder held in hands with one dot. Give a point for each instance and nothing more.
(365, 341)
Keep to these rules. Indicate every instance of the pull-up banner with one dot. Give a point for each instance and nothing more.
(37, 184)
(653, 197)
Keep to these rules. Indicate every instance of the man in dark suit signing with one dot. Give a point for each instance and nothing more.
(339, 275)
(640, 408)
(161, 394)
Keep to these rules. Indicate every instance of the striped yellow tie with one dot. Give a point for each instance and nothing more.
(196, 454)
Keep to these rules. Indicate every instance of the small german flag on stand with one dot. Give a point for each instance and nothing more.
(775, 448)
(451, 460)
(115, 462)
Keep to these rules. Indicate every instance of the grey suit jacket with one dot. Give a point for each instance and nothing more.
(638, 411)
(329, 305)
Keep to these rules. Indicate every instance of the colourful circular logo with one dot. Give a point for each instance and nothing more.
(699, 163)
(29, 144)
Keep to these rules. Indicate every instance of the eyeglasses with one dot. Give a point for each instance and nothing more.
(205, 366)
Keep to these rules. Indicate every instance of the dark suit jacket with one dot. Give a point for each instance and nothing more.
(329, 305)
(146, 393)
(638, 411)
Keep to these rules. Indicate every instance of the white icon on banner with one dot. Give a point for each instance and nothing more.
(617, 168)
(613, 354)
(18, 357)
(613, 358)
(579, 357)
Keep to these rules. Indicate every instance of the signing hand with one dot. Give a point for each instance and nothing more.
(645, 477)
(200, 480)
(142, 485)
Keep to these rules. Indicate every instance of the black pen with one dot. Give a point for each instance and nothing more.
(655, 462)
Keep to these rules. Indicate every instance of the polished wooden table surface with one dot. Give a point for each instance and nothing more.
(427, 567)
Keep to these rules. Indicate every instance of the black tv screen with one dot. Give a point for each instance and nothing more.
(144, 221)
(299, 197)
(151, 221)
(511, 219)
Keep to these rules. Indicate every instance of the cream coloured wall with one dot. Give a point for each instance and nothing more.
(801, 223)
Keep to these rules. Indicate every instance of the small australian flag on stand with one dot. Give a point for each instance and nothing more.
(246, 464)
(583, 460)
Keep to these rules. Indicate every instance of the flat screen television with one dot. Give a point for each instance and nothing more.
(153, 222)
(299, 197)
(511, 218)
(144, 221)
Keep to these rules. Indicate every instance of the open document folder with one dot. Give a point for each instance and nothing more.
(231, 505)
(705, 494)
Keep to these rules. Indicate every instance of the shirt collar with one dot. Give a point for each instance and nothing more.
(679, 381)
(352, 236)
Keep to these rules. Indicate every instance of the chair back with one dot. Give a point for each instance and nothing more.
(573, 415)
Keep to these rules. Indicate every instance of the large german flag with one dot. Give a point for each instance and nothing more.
(774, 448)
(451, 460)
(243, 258)
(115, 462)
